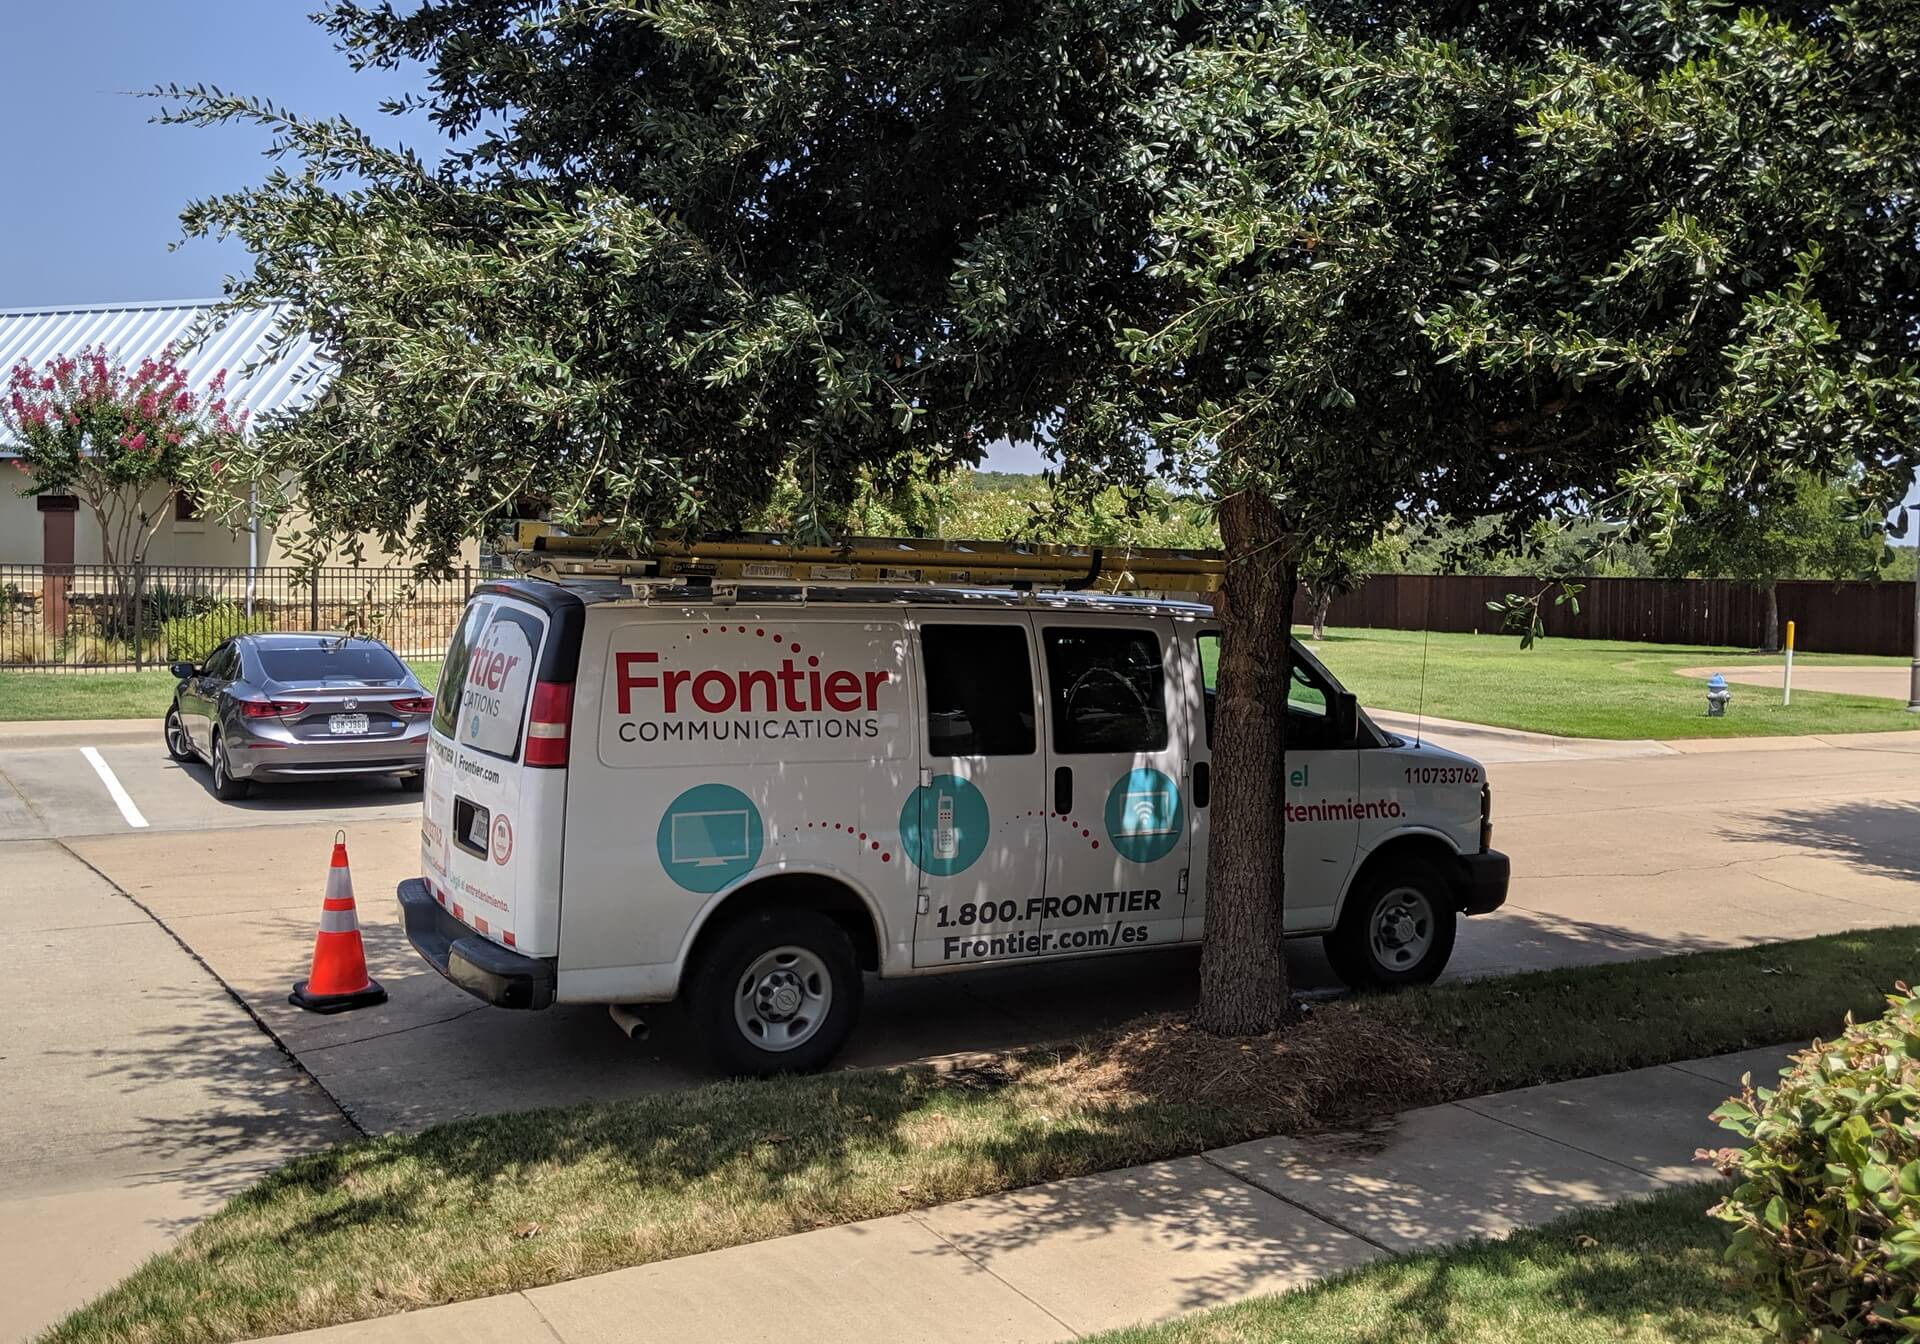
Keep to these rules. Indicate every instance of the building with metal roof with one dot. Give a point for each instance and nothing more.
(258, 380)
(261, 380)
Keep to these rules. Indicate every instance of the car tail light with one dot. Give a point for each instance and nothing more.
(270, 709)
(414, 704)
(547, 724)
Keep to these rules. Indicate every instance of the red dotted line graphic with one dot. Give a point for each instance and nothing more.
(1085, 832)
(760, 632)
(886, 855)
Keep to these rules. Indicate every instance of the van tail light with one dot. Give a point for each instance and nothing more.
(270, 709)
(414, 704)
(547, 724)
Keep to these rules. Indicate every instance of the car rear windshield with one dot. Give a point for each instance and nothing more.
(324, 662)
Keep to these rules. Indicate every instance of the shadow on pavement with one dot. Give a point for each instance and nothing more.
(1878, 838)
(331, 794)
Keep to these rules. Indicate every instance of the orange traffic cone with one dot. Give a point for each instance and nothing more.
(339, 979)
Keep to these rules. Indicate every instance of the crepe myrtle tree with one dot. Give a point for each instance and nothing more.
(124, 440)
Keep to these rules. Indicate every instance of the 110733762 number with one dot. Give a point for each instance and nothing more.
(1443, 774)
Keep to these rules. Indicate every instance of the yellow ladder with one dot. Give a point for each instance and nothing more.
(541, 548)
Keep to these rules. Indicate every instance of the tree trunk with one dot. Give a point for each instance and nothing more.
(1243, 978)
(1773, 616)
(1322, 604)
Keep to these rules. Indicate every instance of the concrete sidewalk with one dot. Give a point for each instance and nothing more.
(1073, 1258)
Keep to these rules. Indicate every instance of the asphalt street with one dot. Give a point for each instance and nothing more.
(153, 1065)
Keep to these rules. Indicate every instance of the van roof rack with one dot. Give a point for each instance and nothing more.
(543, 550)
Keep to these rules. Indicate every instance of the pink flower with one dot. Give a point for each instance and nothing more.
(138, 443)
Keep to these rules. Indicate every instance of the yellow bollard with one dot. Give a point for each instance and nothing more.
(1786, 678)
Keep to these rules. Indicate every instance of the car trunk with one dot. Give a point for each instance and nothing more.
(359, 712)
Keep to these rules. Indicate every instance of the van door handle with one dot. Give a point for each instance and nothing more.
(1202, 783)
(1063, 789)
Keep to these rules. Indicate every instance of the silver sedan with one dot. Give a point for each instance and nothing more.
(275, 708)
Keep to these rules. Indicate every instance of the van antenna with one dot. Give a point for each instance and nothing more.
(1420, 705)
(1426, 638)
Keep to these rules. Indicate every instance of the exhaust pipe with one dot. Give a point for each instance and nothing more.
(628, 1021)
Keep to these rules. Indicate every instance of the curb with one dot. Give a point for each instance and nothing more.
(30, 735)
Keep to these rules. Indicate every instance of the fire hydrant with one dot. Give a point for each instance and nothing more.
(1717, 696)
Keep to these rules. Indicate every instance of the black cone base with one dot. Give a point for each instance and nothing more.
(337, 1003)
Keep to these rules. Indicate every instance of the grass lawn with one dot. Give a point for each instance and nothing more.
(1641, 1272)
(111, 695)
(1590, 687)
(503, 1202)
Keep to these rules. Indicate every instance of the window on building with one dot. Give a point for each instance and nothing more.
(186, 509)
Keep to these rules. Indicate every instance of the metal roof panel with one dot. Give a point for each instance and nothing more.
(132, 332)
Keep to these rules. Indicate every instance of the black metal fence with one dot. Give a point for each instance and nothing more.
(101, 618)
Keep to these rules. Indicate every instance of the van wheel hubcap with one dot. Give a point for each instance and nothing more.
(783, 998)
(1402, 931)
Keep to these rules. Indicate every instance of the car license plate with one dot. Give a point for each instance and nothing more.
(347, 725)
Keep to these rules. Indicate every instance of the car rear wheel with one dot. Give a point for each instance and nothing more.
(178, 745)
(776, 991)
(1397, 928)
(225, 786)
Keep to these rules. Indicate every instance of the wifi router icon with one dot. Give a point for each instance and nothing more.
(1147, 812)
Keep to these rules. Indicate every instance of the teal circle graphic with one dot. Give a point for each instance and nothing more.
(943, 826)
(708, 836)
(1144, 819)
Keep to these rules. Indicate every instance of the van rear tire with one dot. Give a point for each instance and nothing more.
(1397, 929)
(775, 991)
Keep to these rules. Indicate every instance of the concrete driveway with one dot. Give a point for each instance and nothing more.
(154, 1064)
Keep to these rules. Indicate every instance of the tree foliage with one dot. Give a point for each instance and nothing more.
(684, 252)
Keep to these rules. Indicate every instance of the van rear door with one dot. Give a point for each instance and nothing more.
(490, 831)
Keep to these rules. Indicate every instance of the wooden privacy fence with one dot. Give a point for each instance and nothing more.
(1872, 618)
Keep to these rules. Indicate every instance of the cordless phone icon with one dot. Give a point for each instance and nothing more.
(946, 842)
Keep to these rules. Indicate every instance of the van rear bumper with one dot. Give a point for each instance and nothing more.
(1483, 881)
(489, 972)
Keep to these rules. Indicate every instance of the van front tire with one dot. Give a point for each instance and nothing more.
(775, 991)
(1397, 928)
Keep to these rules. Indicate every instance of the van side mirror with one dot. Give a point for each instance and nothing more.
(1343, 717)
(182, 670)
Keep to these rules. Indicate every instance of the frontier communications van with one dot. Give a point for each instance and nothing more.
(744, 782)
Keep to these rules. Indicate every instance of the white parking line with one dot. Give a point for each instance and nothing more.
(121, 798)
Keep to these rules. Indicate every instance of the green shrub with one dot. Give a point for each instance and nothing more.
(192, 638)
(1827, 1216)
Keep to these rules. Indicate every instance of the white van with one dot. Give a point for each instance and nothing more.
(745, 799)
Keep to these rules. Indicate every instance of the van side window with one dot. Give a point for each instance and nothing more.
(979, 690)
(1108, 690)
(1209, 645)
(1306, 696)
